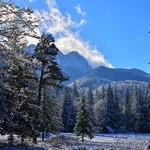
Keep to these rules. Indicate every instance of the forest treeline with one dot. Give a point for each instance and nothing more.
(31, 102)
(128, 114)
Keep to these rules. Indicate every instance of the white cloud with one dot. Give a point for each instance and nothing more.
(65, 31)
(31, 1)
(73, 42)
(79, 11)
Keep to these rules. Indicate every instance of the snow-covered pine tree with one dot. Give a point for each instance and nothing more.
(90, 101)
(75, 92)
(84, 125)
(100, 109)
(90, 96)
(68, 111)
(51, 120)
(50, 74)
(27, 111)
(15, 22)
(20, 82)
(110, 107)
(75, 97)
(146, 111)
(15, 25)
(117, 110)
(137, 102)
(96, 96)
(127, 112)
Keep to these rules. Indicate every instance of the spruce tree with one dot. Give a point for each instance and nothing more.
(84, 126)
(29, 107)
(15, 25)
(137, 110)
(68, 112)
(75, 98)
(117, 111)
(127, 112)
(51, 120)
(91, 103)
(146, 111)
(100, 109)
(110, 107)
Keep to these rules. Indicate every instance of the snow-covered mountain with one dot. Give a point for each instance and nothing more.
(73, 64)
(74, 59)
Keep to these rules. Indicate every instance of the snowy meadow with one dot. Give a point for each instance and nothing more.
(67, 141)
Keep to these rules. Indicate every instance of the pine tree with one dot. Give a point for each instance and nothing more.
(84, 126)
(68, 112)
(138, 101)
(117, 111)
(145, 111)
(15, 25)
(75, 98)
(100, 109)
(127, 112)
(50, 75)
(50, 115)
(75, 94)
(91, 103)
(110, 107)
(27, 111)
(20, 101)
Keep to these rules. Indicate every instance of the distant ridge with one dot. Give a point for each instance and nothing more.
(103, 75)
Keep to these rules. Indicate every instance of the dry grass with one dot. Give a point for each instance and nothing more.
(62, 140)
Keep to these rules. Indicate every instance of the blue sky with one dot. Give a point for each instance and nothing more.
(111, 33)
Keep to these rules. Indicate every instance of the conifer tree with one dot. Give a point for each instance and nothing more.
(75, 93)
(84, 126)
(127, 112)
(138, 102)
(146, 111)
(50, 74)
(15, 25)
(68, 112)
(90, 96)
(75, 98)
(51, 120)
(28, 104)
(91, 103)
(100, 109)
(117, 111)
(110, 107)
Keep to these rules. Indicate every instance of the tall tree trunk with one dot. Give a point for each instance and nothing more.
(43, 117)
(40, 86)
(82, 137)
(11, 139)
(43, 135)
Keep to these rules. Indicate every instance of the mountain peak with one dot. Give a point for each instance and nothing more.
(73, 64)
(74, 59)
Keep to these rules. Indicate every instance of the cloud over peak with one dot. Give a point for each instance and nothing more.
(65, 31)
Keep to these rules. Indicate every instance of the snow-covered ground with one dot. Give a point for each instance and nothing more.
(99, 142)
